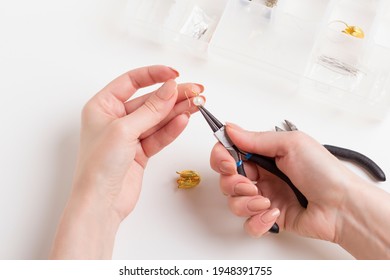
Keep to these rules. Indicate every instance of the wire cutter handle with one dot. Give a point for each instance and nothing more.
(368, 164)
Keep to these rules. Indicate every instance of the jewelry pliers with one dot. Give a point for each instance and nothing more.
(269, 164)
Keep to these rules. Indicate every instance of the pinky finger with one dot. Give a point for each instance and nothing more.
(258, 225)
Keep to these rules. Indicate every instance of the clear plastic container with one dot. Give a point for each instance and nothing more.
(300, 39)
(147, 18)
(346, 70)
(281, 37)
(187, 25)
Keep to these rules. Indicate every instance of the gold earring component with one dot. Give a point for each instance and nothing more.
(188, 179)
(271, 3)
(351, 30)
(189, 102)
(268, 3)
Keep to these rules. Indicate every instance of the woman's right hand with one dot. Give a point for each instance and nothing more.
(334, 192)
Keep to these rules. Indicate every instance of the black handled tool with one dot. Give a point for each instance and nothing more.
(350, 155)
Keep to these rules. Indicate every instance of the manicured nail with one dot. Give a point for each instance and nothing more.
(245, 189)
(197, 88)
(174, 70)
(233, 126)
(166, 91)
(227, 168)
(188, 114)
(259, 204)
(270, 215)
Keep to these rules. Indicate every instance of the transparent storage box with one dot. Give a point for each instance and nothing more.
(302, 39)
(281, 36)
(187, 25)
(351, 72)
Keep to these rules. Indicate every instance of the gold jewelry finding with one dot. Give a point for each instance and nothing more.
(188, 179)
(352, 30)
(271, 3)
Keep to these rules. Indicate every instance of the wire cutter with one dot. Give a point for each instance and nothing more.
(346, 154)
(269, 164)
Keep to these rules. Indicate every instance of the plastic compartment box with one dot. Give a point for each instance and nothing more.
(302, 39)
(350, 72)
(185, 24)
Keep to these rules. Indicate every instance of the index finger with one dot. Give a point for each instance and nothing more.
(221, 161)
(127, 84)
(184, 92)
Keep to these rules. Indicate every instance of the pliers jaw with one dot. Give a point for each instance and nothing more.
(213, 122)
(219, 130)
(220, 133)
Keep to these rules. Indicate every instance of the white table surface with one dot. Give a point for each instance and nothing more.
(54, 55)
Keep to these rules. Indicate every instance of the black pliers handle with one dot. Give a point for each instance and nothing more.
(368, 164)
(349, 155)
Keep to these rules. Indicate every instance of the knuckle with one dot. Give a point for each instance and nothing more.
(297, 137)
(151, 105)
(252, 227)
(223, 189)
(119, 129)
(225, 186)
(235, 206)
(111, 106)
(86, 112)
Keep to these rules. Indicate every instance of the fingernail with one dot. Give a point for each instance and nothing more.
(188, 114)
(245, 189)
(197, 88)
(270, 215)
(258, 204)
(174, 70)
(166, 91)
(233, 126)
(227, 168)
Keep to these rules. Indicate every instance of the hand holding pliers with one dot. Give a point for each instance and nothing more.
(269, 164)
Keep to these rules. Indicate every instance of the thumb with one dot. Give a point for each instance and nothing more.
(154, 110)
(264, 143)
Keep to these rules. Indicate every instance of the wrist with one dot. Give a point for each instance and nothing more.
(363, 228)
(87, 229)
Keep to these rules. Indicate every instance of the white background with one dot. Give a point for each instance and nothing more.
(55, 55)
